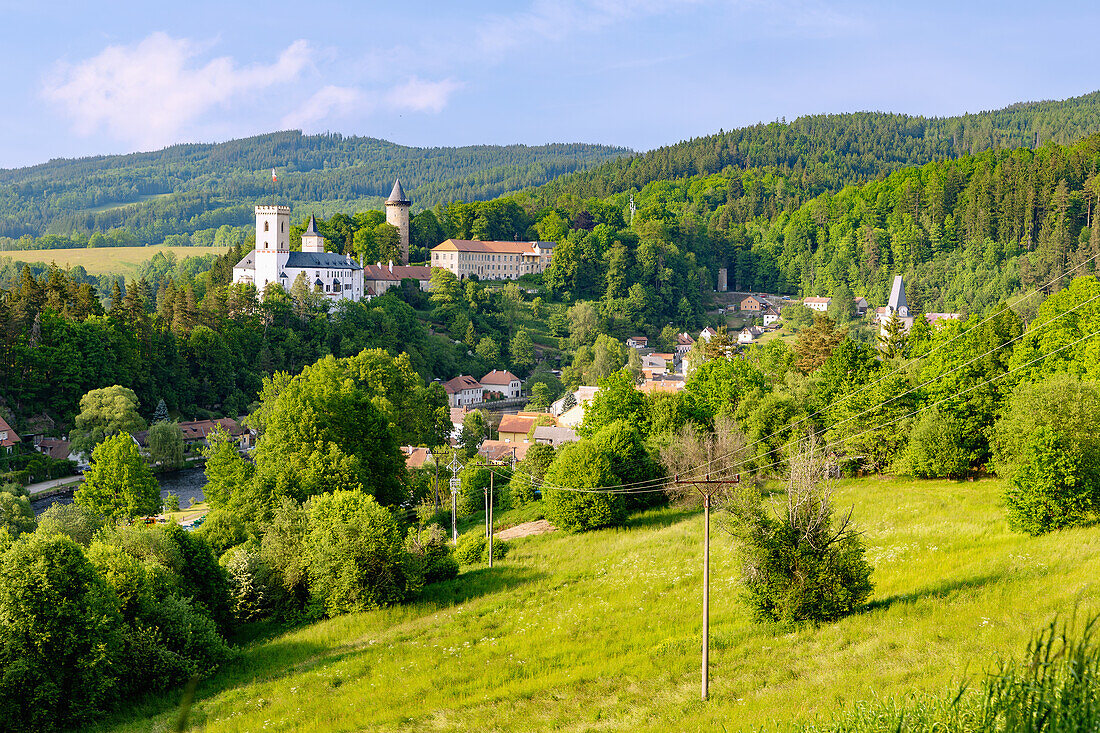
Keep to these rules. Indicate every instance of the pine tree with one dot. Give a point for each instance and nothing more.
(161, 414)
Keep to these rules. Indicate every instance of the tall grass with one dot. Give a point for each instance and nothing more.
(601, 632)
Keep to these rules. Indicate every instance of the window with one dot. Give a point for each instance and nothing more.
(282, 226)
(266, 227)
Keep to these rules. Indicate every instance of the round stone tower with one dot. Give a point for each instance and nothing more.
(397, 214)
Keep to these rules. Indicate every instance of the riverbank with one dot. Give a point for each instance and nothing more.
(186, 484)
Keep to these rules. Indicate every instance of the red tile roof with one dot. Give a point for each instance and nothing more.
(11, 437)
(498, 377)
(516, 424)
(459, 383)
(55, 448)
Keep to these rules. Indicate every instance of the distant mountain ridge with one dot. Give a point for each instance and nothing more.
(829, 151)
(188, 187)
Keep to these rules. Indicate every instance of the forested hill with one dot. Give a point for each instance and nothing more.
(826, 152)
(186, 188)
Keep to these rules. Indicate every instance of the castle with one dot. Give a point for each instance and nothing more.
(332, 275)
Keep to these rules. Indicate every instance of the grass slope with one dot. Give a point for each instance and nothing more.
(108, 260)
(600, 631)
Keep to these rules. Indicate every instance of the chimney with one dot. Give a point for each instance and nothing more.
(391, 265)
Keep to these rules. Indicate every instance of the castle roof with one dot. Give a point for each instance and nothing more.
(497, 247)
(311, 230)
(397, 195)
(321, 259)
(396, 272)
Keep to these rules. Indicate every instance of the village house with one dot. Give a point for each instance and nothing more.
(707, 333)
(197, 432)
(662, 383)
(861, 306)
(753, 304)
(8, 437)
(770, 316)
(503, 383)
(515, 428)
(492, 260)
(555, 436)
(464, 390)
(653, 364)
(750, 334)
(497, 451)
(580, 395)
(416, 456)
(379, 278)
(684, 342)
(637, 342)
(817, 303)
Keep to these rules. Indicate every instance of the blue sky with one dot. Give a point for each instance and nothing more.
(84, 80)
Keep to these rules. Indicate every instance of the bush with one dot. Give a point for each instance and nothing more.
(71, 520)
(473, 548)
(471, 493)
(801, 566)
(253, 586)
(222, 530)
(1047, 444)
(935, 448)
(357, 559)
(16, 513)
(579, 466)
(523, 489)
(432, 552)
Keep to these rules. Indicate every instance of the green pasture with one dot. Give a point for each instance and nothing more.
(601, 631)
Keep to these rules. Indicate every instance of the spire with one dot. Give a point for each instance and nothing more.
(311, 230)
(397, 195)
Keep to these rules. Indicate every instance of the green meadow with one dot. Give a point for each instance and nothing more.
(602, 631)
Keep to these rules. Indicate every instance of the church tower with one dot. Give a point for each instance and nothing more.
(397, 214)
(312, 241)
(272, 243)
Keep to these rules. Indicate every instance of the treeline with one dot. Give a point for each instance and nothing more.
(193, 340)
(819, 153)
(185, 188)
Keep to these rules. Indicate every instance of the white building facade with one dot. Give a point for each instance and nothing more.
(337, 277)
(492, 260)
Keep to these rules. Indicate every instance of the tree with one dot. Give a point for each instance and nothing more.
(119, 484)
(576, 467)
(105, 412)
(616, 399)
(936, 447)
(540, 397)
(16, 514)
(522, 350)
(891, 341)
(475, 429)
(357, 559)
(161, 415)
(72, 520)
(816, 343)
(719, 385)
(489, 350)
(227, 473)
(1047, 444)
(166, 445)
(60, 637)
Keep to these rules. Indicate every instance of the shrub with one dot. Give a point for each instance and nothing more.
(71, 520)
(432, 551)
(579, 466)
(1047, 444)
(802, 566)
(357, 560)
(473, 548)
(936, 447)
(222, 530)
(253, 586)
(16, 513)
(471, 493)
(523, 488)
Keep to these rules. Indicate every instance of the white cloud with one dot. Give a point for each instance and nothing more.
(419, 95)
(149, 92)
(327, 102)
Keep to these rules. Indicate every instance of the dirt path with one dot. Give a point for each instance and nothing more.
(539, 526)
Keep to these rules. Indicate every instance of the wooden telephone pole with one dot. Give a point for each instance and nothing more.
(489, 515)
(707, 488)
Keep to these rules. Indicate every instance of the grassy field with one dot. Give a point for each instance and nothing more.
(107, 260)
(601, 631)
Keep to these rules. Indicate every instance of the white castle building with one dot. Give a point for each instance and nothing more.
(333, 275)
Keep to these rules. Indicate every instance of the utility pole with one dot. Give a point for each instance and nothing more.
(455, 468)
(707, 488)
(490, 520)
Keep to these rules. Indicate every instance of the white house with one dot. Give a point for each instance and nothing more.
(707, 333)
(637, 342)
(464, 390)
(338, 277)
(504, 382)
(770, 317)
(8, 437)
(379, 278)
(748, 335)
(817, 304)
(684, 342)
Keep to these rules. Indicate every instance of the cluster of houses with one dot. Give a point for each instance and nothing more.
(464, 390)
(195, 433)
(896, 305)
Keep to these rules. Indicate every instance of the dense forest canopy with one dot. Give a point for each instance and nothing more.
(827, 152)
(187, 188)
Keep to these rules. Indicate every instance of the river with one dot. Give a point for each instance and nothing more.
(185, 484)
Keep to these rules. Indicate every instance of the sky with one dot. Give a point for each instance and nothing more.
(97, 78)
